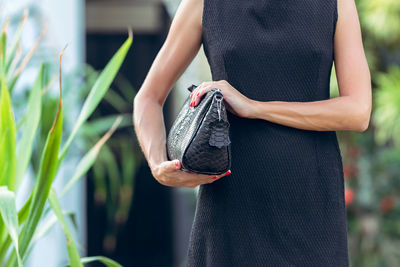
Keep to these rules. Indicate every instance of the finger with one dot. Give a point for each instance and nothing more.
(202, 91)
(201, 86)
(194, 92)
(213, 178)
(192, 95)
(216, 177)
(173, 165)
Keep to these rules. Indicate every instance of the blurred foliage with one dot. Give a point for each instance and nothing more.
(381, 19)
(371, 160)
(387, 112)
(116, 163)
(115, 168)
(19, 229)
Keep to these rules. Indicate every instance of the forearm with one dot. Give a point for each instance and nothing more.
(339, 113)
(150, 130)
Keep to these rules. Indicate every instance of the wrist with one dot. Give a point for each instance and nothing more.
(253, 109)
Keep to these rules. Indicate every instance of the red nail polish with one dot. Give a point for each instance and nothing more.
(198, 94)
(228, 172)
(176, 164)
(191, 94)
(215, 177)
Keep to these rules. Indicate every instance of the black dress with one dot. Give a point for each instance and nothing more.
(283, 204)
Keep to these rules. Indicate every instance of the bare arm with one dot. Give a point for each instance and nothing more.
(352, 109)
(181, 46)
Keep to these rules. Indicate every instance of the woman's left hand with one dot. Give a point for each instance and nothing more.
(235, 102)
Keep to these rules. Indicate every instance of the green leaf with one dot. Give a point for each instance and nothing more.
(24, 211)
(47, 224)
(13, 80)
(3, 50)
(116, 101)
(101, 125)
(45, 227)
(47, 172)
(106, 261)
(125, 88)
(16, 39)
(31, 125)
(88, 160)
(8, 139)
(22, 216)
(33, 207)
(98, 91)
(4, 248)
(74, 258)
(10, 218)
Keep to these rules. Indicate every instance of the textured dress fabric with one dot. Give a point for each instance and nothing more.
(283, 203)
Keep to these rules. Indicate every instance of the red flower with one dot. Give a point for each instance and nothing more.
(349, 196)
(387, 203)
(349, 171)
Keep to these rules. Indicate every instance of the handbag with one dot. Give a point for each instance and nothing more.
(199, 136)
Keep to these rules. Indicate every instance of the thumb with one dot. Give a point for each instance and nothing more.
(175, 164)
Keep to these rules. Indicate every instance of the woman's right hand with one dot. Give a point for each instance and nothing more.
(169, 173)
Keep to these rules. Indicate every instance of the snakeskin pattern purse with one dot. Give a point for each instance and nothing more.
(199, 136)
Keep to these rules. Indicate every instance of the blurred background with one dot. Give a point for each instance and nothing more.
(118, 209)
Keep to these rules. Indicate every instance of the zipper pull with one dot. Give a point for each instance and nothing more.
(219, 107)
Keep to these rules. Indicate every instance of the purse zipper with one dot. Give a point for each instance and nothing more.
(219, 107)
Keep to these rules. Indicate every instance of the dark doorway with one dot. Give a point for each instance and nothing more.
(146, 238)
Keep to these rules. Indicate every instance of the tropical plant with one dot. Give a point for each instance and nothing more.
(19, 229)
(113, 172)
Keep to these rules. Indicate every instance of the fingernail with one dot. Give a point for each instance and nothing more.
(191, 103)
(215, 177)
(191, 94)
(198, 93)
(176, 164)
(228, 172)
